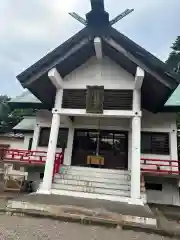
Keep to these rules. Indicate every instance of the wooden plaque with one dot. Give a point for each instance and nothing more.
(94, 99)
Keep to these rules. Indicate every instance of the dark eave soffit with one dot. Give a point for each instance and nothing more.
(16, 105)
(173, 109)
(81, 39)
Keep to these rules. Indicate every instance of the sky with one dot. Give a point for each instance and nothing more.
(29, 29)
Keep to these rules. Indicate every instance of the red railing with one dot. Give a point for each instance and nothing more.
(25, 156)
(159, 166)
(57, 163)
(29, 157)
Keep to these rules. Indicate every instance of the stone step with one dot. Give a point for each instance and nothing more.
(95, 190)
(93, 183)
(120, 180)
(107, 185)
(101, 170)
(90, 195)
(96, 174)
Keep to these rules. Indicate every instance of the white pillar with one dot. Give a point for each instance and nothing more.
(136, 149)
(68, 153)
(130, 147)
(48, 172)
(136, 101)
(135, 161)
(173, 146)
(36, 136)
(26, 141)
(173, 142)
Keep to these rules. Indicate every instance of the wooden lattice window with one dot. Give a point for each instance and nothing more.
(107, 99)
(155, 143)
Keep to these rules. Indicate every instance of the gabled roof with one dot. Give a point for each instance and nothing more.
(12, 135)
(174, 99)
(53, 57)
(144, 56)
(25, 125)
(173, 103)
(26, 100)
(77, 50)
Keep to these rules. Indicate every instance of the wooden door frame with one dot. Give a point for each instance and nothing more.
(125, 132)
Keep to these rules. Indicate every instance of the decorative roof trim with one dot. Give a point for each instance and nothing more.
(53, 56)
(119, 48)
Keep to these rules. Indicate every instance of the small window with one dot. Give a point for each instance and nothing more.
(153, 186)
(62, 137)
(44, 137)
(30, 143)
(146, 143)
(41, 175)
(155, 143)
(16, 167)
(1, 177)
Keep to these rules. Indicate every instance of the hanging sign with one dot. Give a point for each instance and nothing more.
(95, 160)
(94, 99)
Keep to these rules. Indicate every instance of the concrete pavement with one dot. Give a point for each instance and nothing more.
(78, 208)
(95, 213)
(14, 227)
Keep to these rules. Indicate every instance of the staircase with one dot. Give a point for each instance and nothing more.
(92, 183)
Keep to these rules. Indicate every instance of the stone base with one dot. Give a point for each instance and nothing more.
(42, 191)
(59, 206)
(136, 202)
(79, 212)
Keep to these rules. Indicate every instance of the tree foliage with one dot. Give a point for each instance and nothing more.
(173, 61)
(173, 64)
(10, 117)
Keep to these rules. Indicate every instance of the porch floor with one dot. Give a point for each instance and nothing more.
(91, 204)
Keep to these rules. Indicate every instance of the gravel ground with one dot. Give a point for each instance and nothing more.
(13, 227)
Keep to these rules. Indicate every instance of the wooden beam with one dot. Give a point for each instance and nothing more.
(139, 78)
(55, 78)
(58, 60)
(98, 47)
(106, 113)
(119, 48)
(97, 5)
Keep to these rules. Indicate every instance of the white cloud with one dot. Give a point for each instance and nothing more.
(30, 29)
(153, 24)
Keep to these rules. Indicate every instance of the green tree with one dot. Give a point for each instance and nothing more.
(10, 117)
(173, 61)
(173, 64)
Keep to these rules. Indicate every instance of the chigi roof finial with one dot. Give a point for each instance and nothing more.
(98, 16)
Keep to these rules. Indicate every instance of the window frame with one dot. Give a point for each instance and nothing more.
(16, 167)
(154, 186)
(45, 144)
(30, 143)
(153, 148)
